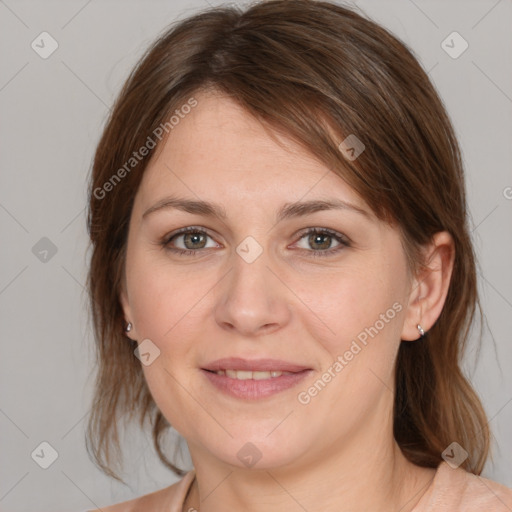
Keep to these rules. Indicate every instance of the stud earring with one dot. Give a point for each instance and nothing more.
(420, 330)
(128, 328)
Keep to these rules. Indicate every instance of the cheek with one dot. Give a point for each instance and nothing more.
(165, 298)
(361, 315)
(354, 303)
(168, 310)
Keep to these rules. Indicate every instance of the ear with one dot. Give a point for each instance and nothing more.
(125, 304)
(430, 286)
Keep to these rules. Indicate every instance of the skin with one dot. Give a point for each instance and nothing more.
(336, 453)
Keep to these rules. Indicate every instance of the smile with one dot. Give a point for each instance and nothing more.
(246, 375)
(252, 385)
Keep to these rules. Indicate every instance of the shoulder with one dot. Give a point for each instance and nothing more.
(169, 499)
(458, 490)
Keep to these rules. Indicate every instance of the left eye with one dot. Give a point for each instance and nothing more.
(195, 239)
(322, 240)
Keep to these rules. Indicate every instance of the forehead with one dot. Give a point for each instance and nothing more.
(219, 149)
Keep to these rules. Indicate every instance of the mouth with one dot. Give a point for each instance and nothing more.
(239, 364)
(253, 379)
(255, 375)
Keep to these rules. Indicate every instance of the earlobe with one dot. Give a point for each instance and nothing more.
(128, 324)
(430, 287)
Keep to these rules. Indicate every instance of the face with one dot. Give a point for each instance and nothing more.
(271, 325)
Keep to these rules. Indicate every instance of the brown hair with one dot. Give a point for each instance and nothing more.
(317, 72)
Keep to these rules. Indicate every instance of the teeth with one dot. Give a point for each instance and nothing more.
(245, 375)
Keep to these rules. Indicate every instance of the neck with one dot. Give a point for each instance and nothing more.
(366, 472)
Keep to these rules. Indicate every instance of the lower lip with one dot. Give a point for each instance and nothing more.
(252, 389)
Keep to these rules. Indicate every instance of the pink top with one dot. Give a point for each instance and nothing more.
(456, 490)
(451, 490)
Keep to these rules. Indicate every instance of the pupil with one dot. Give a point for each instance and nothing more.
(195, 238)
(316, 238)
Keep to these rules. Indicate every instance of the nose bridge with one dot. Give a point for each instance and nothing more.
(251, 298)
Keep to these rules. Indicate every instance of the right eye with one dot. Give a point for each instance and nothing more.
(193, 239)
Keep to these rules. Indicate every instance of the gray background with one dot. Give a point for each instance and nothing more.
(52, 111)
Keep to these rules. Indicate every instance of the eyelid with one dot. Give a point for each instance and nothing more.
(183, 231)
(328, 231)
(343, 241)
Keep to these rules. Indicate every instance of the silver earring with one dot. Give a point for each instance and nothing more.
(128, 328)
(420, 330)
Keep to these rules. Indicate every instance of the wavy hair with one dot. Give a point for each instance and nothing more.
(317, 72)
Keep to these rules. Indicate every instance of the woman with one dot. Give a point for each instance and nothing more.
(282, 270)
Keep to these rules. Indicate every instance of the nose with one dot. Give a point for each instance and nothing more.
(252, 301)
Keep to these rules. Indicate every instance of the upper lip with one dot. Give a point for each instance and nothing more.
(255, 365)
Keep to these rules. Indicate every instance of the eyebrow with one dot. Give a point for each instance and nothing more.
(287, 211)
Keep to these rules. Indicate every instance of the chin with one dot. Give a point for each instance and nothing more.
(255, 452)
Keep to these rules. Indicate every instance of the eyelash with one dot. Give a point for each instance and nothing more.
(343, 240)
